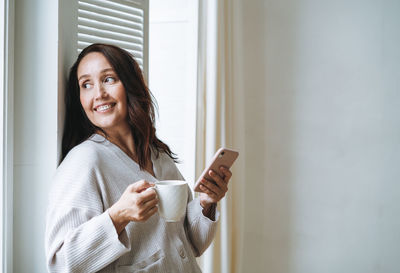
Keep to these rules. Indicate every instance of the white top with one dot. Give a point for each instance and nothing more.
(80, 235)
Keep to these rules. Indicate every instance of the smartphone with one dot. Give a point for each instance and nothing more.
(223, 157)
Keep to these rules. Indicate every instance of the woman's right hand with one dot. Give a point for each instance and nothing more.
(136, 204)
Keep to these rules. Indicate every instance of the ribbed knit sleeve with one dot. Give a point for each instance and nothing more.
(201, 230)
(80, 235)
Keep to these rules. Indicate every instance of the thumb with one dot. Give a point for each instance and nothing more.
(141, 186)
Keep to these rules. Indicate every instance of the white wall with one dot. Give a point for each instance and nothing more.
(35, 127)
(322, 112)
(172, 76)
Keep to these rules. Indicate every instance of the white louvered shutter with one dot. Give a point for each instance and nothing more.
(123, 23)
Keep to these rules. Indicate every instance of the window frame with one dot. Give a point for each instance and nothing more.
(7, 135)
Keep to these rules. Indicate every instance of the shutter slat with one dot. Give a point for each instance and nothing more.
(106, 26)
(137, 54)
(110, 35)
(131, 7)
(109, 19)
(96, 39)
(111, 12)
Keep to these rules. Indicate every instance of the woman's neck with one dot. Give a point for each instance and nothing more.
(124, 140)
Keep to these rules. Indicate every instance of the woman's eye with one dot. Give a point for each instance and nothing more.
(109, 80)
(86, 85)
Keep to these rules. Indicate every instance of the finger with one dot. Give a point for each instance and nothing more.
(212, 186)
(148, 194)
(140, 186)
(145, 214)
(149, 204)
(150, 212)
(210, 195)
(219, 181)
(227, 173)
(208, 191)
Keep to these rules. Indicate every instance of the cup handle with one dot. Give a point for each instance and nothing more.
(152, 188)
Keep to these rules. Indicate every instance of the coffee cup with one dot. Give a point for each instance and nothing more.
(172, 199)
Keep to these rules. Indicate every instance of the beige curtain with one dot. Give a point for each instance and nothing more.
(219, 123)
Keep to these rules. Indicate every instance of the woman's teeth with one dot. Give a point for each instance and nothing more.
(104, 107)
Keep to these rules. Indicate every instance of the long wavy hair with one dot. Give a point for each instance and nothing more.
(140, 103)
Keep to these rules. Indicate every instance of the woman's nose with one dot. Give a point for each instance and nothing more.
(100, 91)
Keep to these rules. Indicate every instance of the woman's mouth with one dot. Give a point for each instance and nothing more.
(104, 107)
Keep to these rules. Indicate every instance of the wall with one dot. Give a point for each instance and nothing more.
(321, 87)
(172, 76)
(35, 127)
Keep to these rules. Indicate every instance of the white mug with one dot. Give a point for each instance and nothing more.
(172, 199)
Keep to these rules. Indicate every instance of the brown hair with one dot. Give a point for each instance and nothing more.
(140, 101)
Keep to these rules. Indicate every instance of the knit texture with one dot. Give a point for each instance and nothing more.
(80, 235)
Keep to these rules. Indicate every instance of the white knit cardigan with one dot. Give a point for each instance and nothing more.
(80, 236)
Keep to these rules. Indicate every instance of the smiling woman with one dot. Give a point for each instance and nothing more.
(101, 215)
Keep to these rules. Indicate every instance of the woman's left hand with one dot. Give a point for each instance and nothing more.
(214, 190)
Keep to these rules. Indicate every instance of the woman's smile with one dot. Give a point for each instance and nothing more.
(104, 108)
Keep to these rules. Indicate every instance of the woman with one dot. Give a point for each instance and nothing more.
(100, 216)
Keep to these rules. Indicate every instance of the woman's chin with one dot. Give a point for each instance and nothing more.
(111, 125)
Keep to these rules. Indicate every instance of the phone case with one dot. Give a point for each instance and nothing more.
(223, 157)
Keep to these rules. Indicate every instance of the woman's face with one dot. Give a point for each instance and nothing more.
(102, 94)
